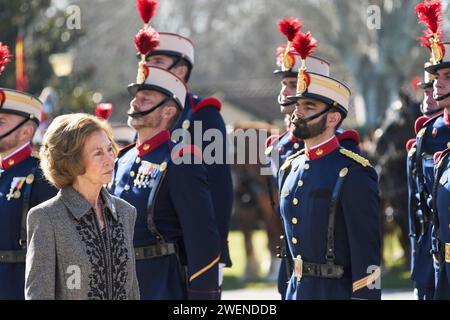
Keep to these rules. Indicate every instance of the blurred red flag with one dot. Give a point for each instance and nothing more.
(21, 75)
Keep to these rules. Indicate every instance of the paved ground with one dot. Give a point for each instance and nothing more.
(272, 294)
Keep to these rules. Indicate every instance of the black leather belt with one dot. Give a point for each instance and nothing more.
(155, 251)
(13, 256)
(310, 269)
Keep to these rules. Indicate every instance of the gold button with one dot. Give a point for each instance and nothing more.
(163, 166)
(306, 167)
(343, 172)
(124, 161)
(319, 152)
(146, 147)
(138, 160)
(186, 124)
(126, 188)
(30, 179)
(294, 240)
(295, 201)
(11, 162)
(296, 145)
(132, 174)
(300, 183)
(448, 145)
(294, 220)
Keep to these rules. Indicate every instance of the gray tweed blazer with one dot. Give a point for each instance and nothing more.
(69, 257)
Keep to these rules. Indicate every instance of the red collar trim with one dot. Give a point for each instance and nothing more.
(323, 149)
(16, 158)
(293, 138)
(153, 143)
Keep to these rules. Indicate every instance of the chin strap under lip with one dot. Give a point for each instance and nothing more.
(144, 113)
(314, 116)
(445, 96)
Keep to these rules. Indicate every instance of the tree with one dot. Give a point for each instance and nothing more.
(45, 31)
(236, 41)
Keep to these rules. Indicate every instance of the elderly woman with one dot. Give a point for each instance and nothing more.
(80, 243)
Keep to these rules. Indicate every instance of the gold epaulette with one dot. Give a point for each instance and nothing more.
(356, 157)
(421, 132)
(289, 159)
(411, 152)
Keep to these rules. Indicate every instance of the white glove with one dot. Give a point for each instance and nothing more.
(221, 266)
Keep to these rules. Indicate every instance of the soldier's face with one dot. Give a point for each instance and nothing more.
(160, 61)
(288, 88)
(98, 158)
(428, 103)
(144, 101)
(304, 109)
(166, 62)
(8, 122)
(442, 87)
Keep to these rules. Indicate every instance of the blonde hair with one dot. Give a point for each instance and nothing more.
(63, 143)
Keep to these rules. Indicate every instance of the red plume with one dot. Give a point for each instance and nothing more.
(427, 36)
(290, 27)
(304, 44)
(4, 56)
(146, 9)
(146, 40)
(104, 110)
(430, 14)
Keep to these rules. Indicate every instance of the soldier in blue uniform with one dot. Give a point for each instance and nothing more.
(22, 185)
(280, 147)
(440, 196)
(328, 197)
(441, 207)
(175, 53)
(432, 136)
(422, 271)
(176, 240)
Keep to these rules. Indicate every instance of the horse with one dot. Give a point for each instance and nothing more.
(389, 154)
(252, 207)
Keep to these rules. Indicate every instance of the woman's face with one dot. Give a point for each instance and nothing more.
(98, 158)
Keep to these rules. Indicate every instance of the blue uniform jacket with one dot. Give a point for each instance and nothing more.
(284, 146)
(432, 137)
(200, 115)
(442, 208)
(183, 214)
(18, 173)
(306, 185)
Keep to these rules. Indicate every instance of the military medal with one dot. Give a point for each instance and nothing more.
(16, 185)
(147, 172)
